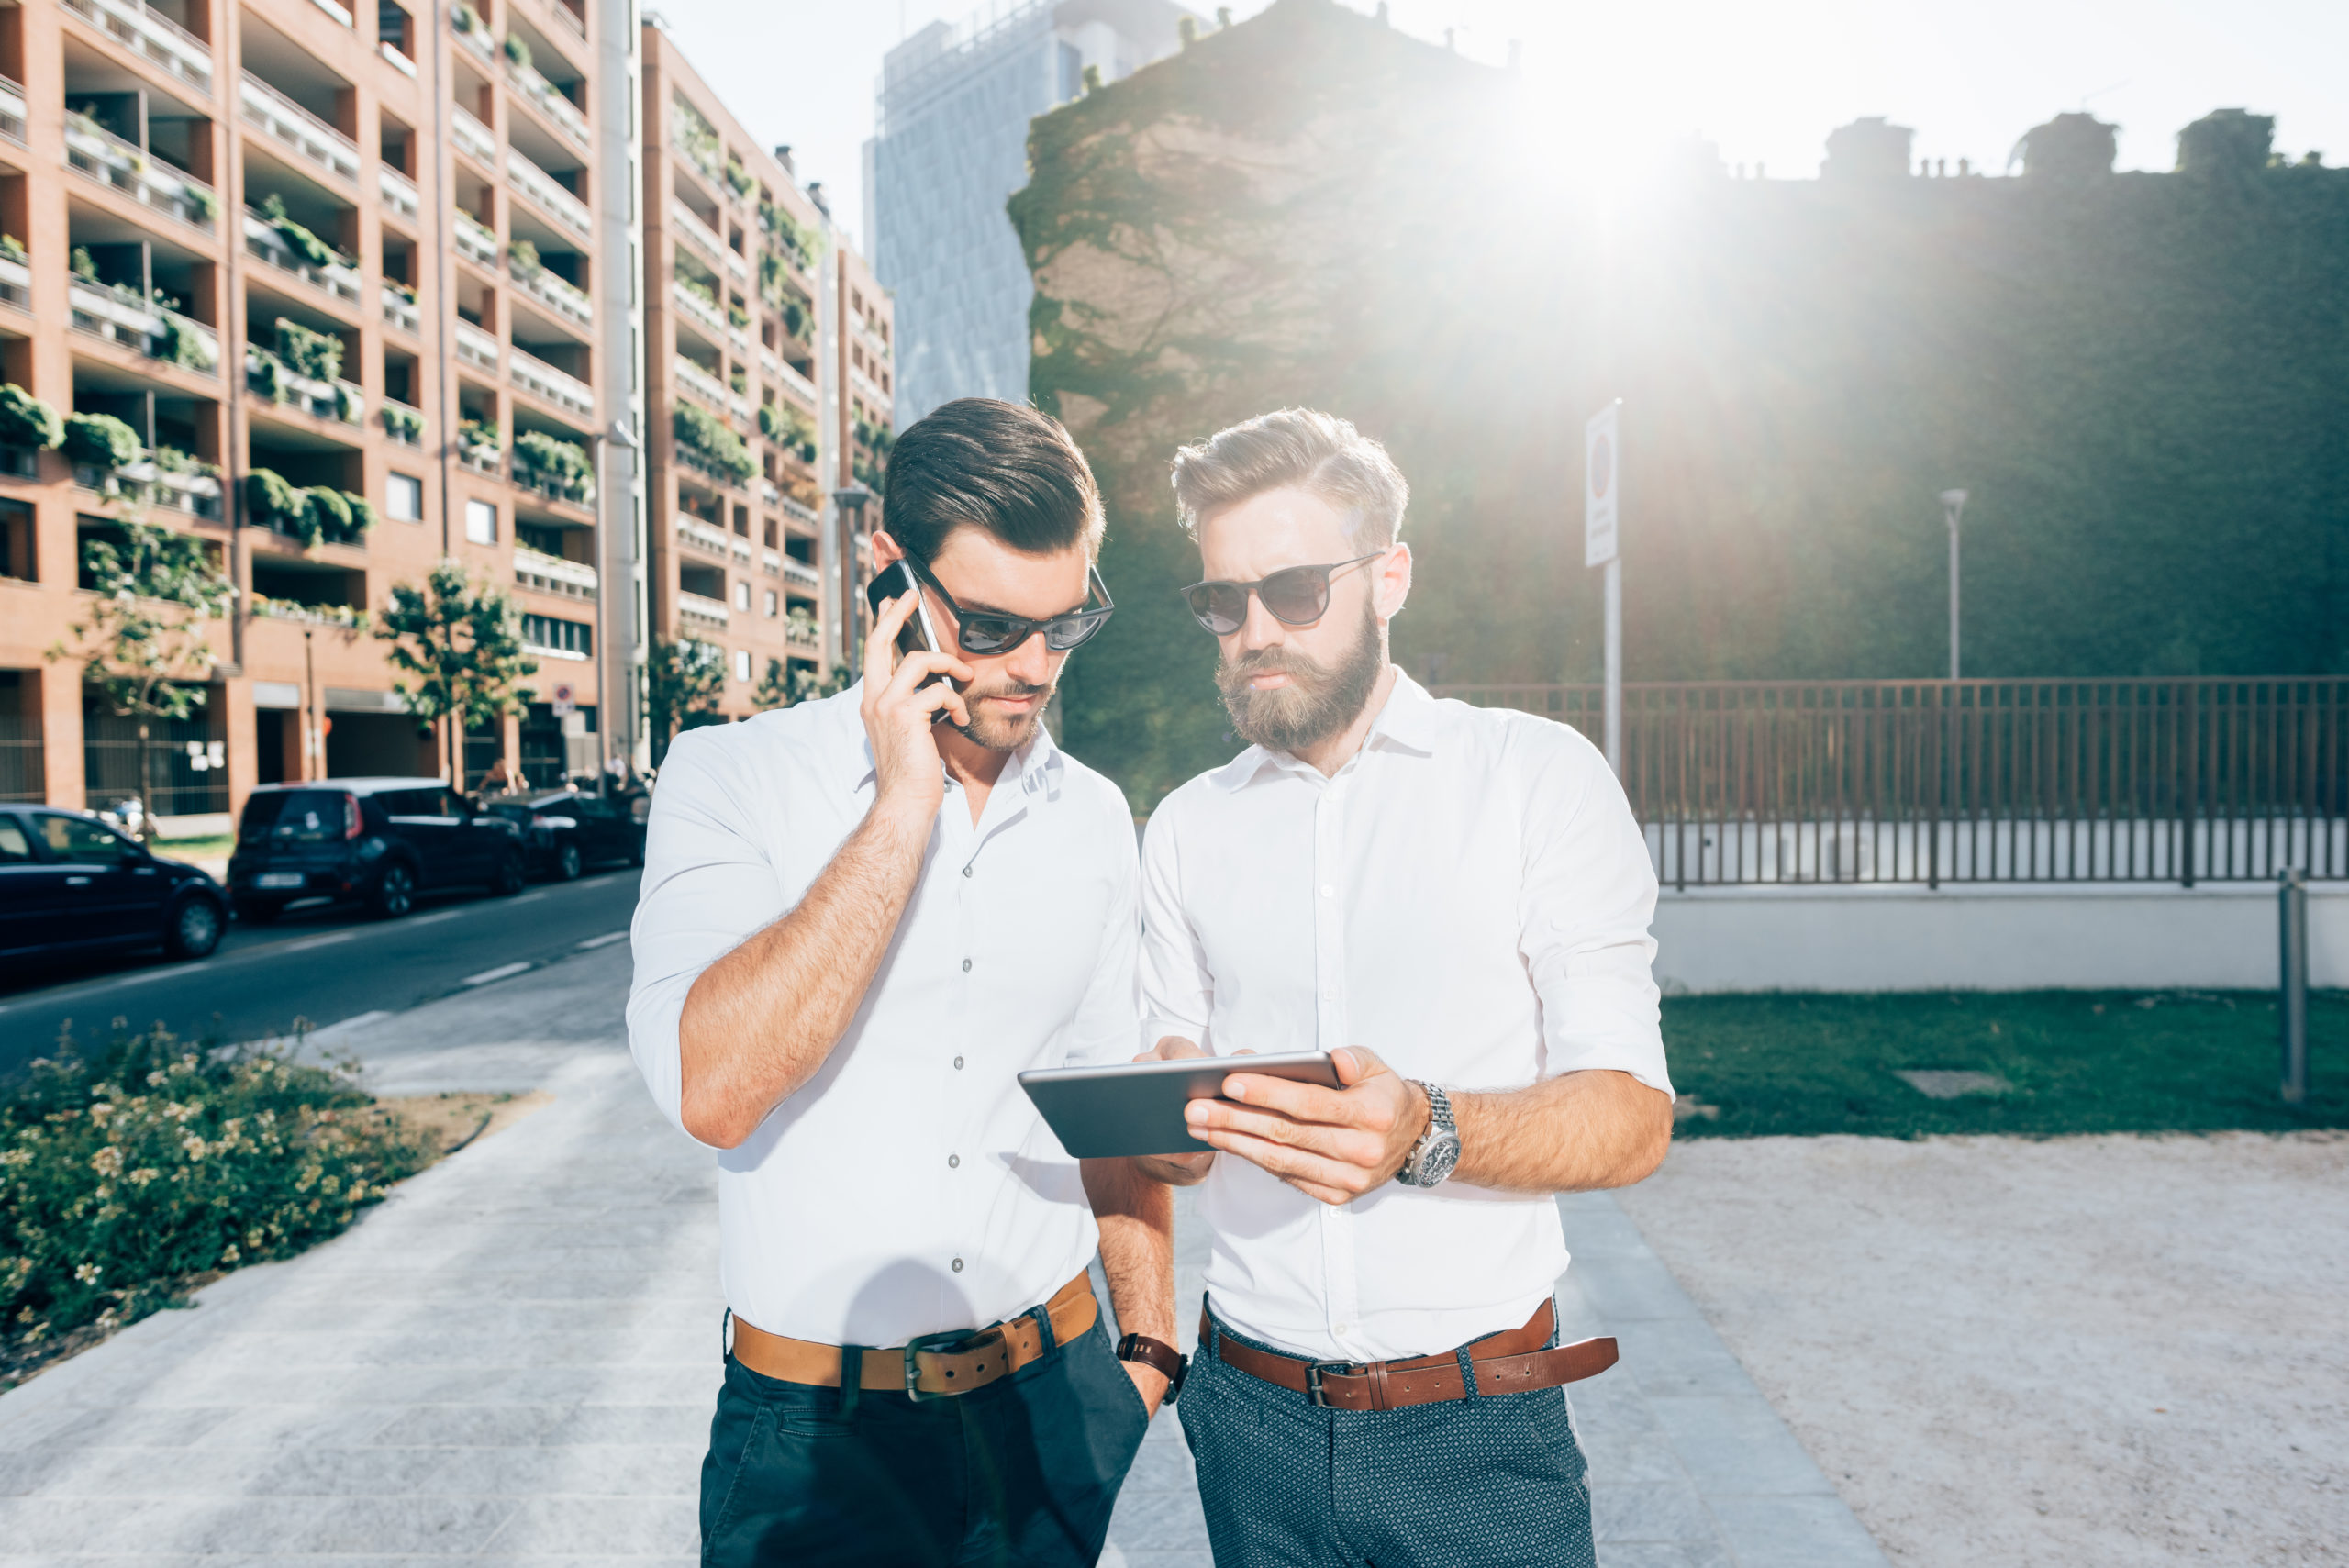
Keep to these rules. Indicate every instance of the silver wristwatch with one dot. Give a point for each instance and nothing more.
(1438, 1150)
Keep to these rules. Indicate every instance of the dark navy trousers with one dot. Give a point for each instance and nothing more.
(1022, 1472)
(1486, 1481)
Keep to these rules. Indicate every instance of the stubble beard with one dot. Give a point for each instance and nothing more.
(1319, 700)
(1004, 734)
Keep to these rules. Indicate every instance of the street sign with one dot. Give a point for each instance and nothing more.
(1602, 473)
(562, 704)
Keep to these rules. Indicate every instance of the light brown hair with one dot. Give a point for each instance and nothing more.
(1301, 448)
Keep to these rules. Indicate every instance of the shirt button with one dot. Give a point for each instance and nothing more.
(958, 1265)
(1340, 1329)
(1328, 893)
(958, 1064)
(953, 1162)
(966, 966)
(966, 870)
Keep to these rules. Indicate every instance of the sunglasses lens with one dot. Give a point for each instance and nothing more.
(993, 634)
(1297, 595)
(1074, 631)
(1222, 608)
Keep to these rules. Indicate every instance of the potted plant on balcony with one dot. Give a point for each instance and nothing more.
(522, 256)
(560, 465)
(25, 422)
(13, 249)
(271, 502)
(717, 446)
(318, 355)
(312, 250)
(102, 442)
(403, 424)
(480, 442)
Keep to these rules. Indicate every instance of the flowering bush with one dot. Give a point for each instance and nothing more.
(123, 1175)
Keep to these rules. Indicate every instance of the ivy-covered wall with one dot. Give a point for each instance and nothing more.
(2141, 379)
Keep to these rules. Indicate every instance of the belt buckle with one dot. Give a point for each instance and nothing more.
(1313, 1370)
(946, 1343)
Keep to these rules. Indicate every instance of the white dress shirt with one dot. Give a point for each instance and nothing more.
(1469, 898)
(909, 1187)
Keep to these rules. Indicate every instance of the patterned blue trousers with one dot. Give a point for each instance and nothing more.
(1486, 1481)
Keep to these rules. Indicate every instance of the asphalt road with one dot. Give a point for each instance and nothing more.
(320, 965)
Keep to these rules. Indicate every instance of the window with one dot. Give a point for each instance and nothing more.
(81, 840)
(16, 541)
(404, 497)
(14, 845)
(742, 596)
(741, 664)
(418, 802)
(558, 636)
(480, 522)
(772, 606)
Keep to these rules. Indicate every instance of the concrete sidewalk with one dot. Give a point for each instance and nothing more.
(515, 1357)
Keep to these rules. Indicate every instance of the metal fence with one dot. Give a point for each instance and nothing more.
(190, 771)
(21, 777)
(2187, 781)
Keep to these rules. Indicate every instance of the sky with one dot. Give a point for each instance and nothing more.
(1620, 80)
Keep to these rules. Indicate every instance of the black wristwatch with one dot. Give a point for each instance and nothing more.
(1157, 1354)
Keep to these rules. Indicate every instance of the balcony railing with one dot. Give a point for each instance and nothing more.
(873, 341)
(700, 607)
(567, 16)
(15, 283)
(553, 575)
(109, 160)
(801, 633)
(542, 188)
(396, 57)
(699, 308)
(561, 388)
(476, 241)
(397, 192)
(340, 401)
(867, 386)
(12, 109)
(791, 380)
(120, 316)
(262, 240)
(549, 100)
(152, 35)
(707, 467)
(337, 10)
(295, 127)
(143, 483)
(558, 294)
(477, 347)
(409, 431)
(771, 563)
(482, 459)
(563, 492)
(475, 38)
(800, 510)
(400, 311)
(471, 136)
(703, 238)
(699, 382)
(709, 536)
(801, 572)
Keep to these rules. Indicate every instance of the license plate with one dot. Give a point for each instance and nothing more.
(278, 879)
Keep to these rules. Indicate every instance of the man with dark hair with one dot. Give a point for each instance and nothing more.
(862, 917)
(1460, 892)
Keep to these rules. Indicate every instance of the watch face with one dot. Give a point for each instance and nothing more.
(1436, 1161)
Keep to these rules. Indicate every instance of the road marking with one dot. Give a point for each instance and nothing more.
(605, 941)
(351, 1025)
(602, 881)
(527, 899)
(310, 942)
(435, 919)
(500, 972)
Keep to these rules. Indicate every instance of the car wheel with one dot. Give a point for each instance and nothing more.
(510, 877)
(395, 891)
(253, 912)
(566, 862)
(195, 928)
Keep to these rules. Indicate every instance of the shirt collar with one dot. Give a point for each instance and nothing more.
(1037, 767)
(1408, 722)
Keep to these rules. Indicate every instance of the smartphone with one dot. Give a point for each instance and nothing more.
(917, 635)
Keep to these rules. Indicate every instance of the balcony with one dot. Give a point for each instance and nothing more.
(696, 608)
(549, 100)
(476, 241)
(338, 11)
(800, 510)
(153, 37)
(800, 571)
(700, 308)
(340, 401)
(339, 279)
(400, 311)
(397, 193)
(146, 483)
(12, 110)
(771, 563)
(482, 459)
(15, 283)
(477, 347)
(867, 386)
(112, 162)
(470, 136)
(395, 59)
(561, 388)
(553, 575)
(791, 380)
(706, 536)
(703, 238)
(706, 467)
(262, 608)
(699, 382)
(117, 314)
(472, 32)
(295, 128)
(558, 295)
(542, 188)
(402, 422)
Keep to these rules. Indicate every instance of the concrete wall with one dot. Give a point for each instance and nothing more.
(2119, 936)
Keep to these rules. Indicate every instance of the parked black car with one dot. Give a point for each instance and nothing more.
(569, 829)
(372, 842)
(69, 882)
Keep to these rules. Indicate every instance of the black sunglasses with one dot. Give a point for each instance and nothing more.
(1297, 596)
(987, 631)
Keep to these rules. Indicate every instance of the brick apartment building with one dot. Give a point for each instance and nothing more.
(384, 262)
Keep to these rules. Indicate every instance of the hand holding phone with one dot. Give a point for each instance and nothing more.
(905, 695)
(894, 582)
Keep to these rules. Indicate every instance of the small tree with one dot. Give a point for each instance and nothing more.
(142, 643)
(682, 683)
(458, 647)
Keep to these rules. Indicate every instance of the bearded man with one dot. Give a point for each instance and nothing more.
(862, 918)
(1454, 902)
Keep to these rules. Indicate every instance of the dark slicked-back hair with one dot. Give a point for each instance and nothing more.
(1299, 449)
(1007, 470)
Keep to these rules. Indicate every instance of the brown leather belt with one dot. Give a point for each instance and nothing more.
(1511, 1361)
(933, 1366)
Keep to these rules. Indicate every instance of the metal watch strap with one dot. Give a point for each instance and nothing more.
(1439, 1121)
(1169, 1363)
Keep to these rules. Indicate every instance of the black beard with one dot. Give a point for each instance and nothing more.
(1318, 702)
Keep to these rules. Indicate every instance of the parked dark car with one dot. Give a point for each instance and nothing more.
(372, 842)
(69, 882)
(569, 829)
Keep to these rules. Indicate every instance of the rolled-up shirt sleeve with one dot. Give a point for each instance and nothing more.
(707, 885)
(1586, 902)
(1177, 989)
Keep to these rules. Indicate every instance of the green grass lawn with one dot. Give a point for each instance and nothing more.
(2078, 1061)
(216, 845)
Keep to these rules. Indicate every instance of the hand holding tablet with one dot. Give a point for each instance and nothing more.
(1136, 1108)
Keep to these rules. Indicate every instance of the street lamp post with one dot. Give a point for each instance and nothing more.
(848, 502)
(1953, 509)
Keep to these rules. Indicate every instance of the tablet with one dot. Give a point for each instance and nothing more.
(1136, 1107)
